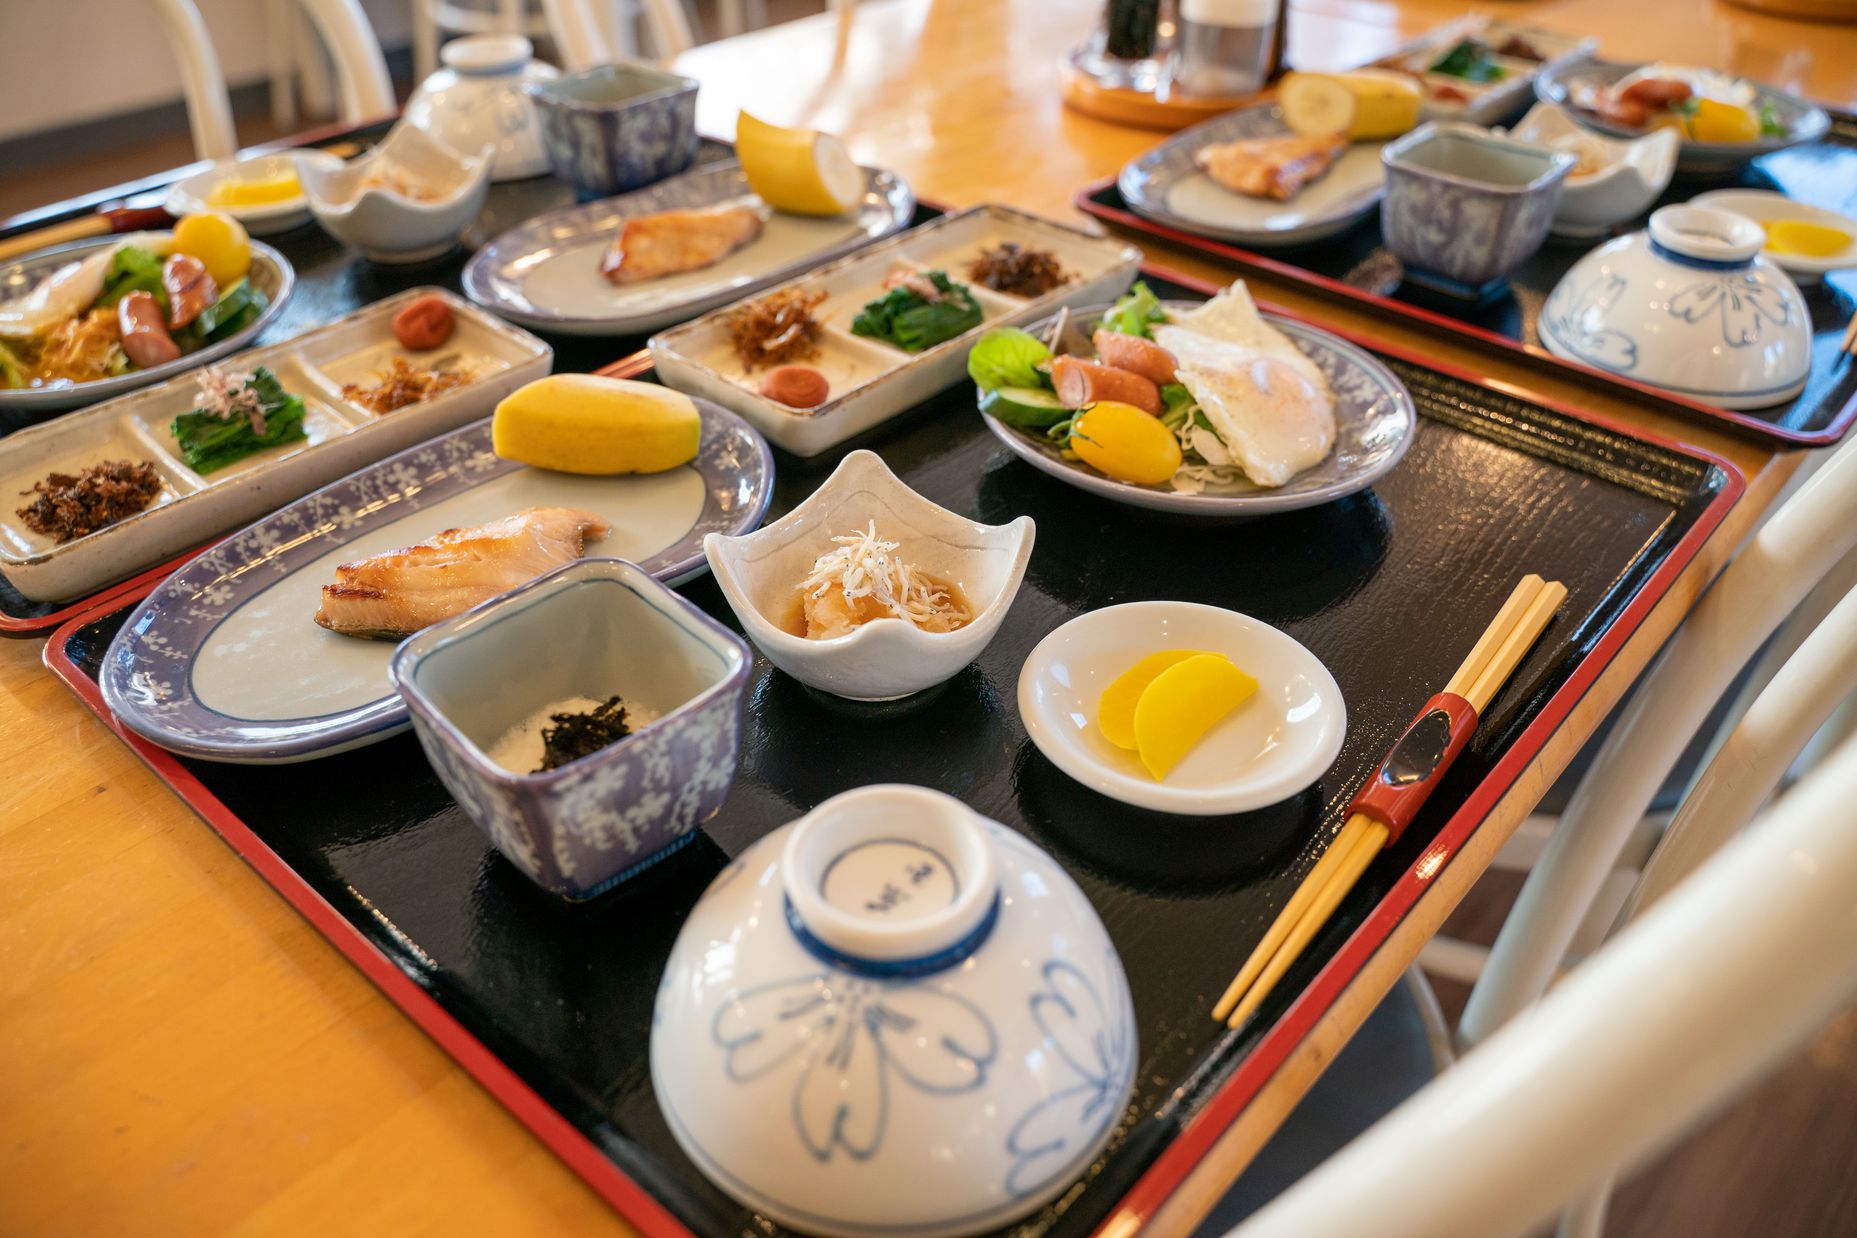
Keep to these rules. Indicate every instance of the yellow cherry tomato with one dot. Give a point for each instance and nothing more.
(218, 241)
(1714, 121)
(1125, 443)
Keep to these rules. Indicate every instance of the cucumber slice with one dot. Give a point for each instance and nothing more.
(1028, 408)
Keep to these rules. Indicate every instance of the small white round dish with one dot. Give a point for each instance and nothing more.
(1375, 420)
(1168, 186)
(1273, 745)
(885, 659)
(1688, 305)
(1764, 206)
(893, 1017)
(194, 195)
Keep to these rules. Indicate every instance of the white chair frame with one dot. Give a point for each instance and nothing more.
(1680, 1011)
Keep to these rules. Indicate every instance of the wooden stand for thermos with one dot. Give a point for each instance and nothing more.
(1147, 110)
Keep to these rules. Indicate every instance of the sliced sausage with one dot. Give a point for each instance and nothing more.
(1136, 355)
(145, 339)
(1085, 382)
(1656, 93)
(189, 287)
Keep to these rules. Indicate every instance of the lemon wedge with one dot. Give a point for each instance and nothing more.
(1800, 239)
(800, 171)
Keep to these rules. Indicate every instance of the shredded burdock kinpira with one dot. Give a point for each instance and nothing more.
(68, 506)
(576, 735)
(1022, 272)
(405, 383)
(777, 329)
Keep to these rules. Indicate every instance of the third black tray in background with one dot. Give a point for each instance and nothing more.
(1350, 264)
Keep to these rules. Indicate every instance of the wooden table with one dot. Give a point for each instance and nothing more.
(180, 1054)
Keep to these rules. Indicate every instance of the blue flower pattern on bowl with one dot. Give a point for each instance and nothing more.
(1743, 301)
(1576, 317)
(853, 1031)
(603, 148)
(1098, 1048)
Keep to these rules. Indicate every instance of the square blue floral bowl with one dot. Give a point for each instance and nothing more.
(480, 688)
(617, 127)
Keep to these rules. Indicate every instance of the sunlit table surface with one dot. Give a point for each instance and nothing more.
(181, 1054)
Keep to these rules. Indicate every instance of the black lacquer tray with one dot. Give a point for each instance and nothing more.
(1352, 265)
(548, 1004)
(333, 281)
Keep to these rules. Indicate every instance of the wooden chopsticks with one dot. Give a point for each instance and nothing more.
(1392, 796)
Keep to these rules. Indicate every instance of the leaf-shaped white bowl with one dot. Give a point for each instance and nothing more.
(760, 574)
(1635, 171)
(388, 226)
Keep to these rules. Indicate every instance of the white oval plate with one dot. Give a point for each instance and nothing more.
(545, 272)
(1167, 186)
(1375, 420)
(1271, 747)
(1764, 206)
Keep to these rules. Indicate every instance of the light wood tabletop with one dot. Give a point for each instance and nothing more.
(181, 1054)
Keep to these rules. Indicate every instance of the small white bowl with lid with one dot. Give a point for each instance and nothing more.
(1689, 305)
(893, 1016)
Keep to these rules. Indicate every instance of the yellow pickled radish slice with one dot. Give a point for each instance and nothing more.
(1366, 104)
(1115, 708)
(1805, 240)
(255, 192)
(1183, 703)
(800, 171)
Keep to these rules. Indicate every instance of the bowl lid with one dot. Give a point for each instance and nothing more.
(487, 53)
(1706, 234)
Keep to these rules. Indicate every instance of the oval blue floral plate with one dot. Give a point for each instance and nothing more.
(545, 271)
(224, 661)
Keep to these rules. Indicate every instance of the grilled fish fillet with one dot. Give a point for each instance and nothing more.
(652, 246)
(392, 595)
(1276, 168)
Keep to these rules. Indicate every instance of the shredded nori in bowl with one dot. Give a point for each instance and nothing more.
(575, 735)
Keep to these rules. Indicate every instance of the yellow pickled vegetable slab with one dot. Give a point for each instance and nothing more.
(1798, 238)
(1366, 104)
(583, 423)
(1184, 702)
(1115, 709)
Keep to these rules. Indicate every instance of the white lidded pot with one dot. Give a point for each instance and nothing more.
(480, 99)
(893, 1016)
(1688, 305)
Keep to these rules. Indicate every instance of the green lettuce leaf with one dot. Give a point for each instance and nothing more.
(1007, 357)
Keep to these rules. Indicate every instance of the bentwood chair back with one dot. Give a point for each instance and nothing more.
(583, 40)
(366, 92)
(1802, 545)
(1709, 988)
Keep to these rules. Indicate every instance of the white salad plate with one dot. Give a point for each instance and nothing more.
(1274, 744)
(271, 274)
(1165, 185)
(873, 380)
(545, 272)
(225, 662)
(1764, 206)
(1375, 420)
(194, 194)
(193, 507)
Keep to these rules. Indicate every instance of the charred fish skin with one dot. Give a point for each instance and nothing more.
(390, 596)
